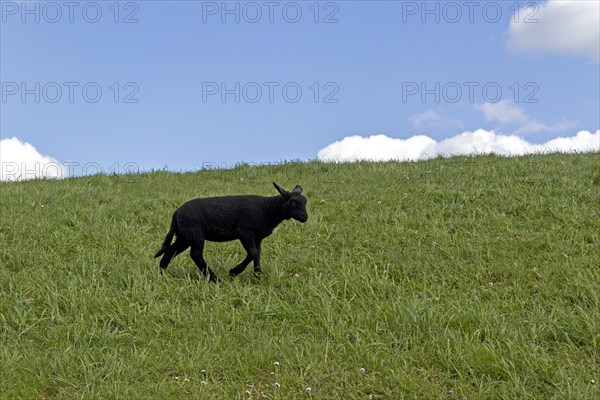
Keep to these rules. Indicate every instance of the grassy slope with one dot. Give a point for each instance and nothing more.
(451, 278)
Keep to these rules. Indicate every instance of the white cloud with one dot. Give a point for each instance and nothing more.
(377, 148)
(533, 126)
(503, 111)
(583, 140)
(384, 148)
(432, 119)
(508, 113)
(20, 160)
(563, 26)
(427, 117)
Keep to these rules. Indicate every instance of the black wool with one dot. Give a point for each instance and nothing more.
(246, 218)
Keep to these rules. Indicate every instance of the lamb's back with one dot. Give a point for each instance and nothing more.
(218, 218)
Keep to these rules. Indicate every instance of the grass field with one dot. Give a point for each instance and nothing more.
(458, 278)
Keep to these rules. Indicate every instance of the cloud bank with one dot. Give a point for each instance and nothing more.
(385, 148)
(20, 161)
(557, 26)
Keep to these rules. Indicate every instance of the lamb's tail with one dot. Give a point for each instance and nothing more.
(169, 237)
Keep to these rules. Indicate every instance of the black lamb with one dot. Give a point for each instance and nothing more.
(248, 218)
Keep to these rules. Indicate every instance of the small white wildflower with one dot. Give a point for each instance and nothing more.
(203, 372)
(593, 381)
(491, 283)
(379, 202)
(186, 379)
(203, 382)
(308, 390)
(249, 393)
(272, 373)
(362, 370)
(276, 363)
(277, 385)
(176, 378)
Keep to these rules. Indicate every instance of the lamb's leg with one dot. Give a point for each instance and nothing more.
(250, 247)
(196, 254)
(171, 252)
(257, 269)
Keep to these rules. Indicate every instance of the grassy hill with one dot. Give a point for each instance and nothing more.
(466, 277)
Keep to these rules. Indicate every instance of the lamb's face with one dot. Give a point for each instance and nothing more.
(295, 207)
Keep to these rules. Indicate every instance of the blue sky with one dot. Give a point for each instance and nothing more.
(360, 65)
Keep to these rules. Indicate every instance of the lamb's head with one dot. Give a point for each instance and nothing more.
(294, 205)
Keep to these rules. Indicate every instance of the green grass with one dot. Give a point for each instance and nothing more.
(458, 278)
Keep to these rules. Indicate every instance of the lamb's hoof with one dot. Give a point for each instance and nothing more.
(215, 279)
(257, 272)
(233, 273)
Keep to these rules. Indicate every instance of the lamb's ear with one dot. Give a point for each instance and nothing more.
(297, 190)
(280, 190)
